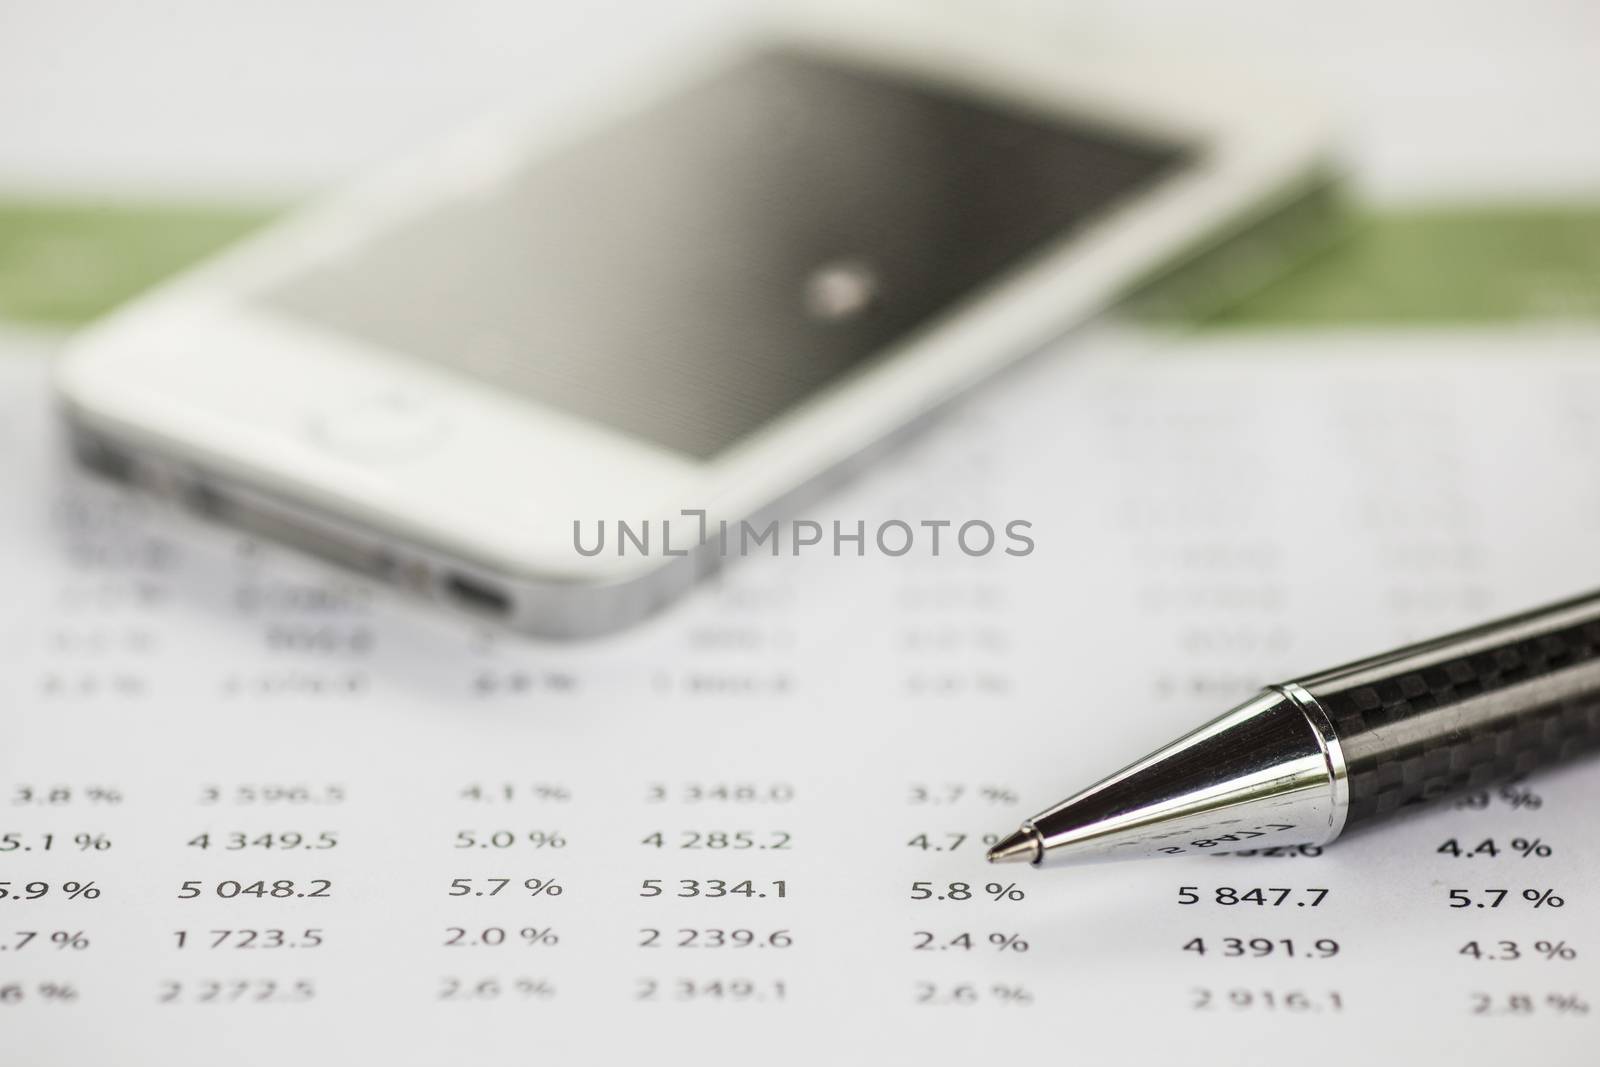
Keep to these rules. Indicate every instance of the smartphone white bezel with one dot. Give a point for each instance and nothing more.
(476, 474)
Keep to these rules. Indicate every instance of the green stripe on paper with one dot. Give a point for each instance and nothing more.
(63, 263)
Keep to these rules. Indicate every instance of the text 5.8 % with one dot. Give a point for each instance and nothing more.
(963, 891)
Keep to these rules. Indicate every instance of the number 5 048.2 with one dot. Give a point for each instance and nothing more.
(283, 889)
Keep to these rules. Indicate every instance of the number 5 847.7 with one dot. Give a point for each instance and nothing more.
(1271, 897)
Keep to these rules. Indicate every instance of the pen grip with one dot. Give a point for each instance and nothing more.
(1465, 710)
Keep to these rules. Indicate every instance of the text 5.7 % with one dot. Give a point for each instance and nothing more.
(1492, 898)
(489, 887)
(963, 891)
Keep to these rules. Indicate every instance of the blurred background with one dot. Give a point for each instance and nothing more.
(136, 137)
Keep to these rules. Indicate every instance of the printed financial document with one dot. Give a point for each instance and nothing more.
(254, 811)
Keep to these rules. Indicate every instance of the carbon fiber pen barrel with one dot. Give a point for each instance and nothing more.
(1301, 762)
(1466, 709)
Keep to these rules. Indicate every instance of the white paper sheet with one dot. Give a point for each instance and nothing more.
(1209, 516)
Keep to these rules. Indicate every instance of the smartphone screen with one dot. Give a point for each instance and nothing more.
(689, 273)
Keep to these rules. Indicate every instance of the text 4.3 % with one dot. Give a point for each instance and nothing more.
(1510, 950)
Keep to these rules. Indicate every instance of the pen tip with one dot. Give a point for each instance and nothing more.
(1022, 846)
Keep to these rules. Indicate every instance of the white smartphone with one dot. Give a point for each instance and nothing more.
(704, 292)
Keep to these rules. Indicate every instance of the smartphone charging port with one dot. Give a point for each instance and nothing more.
(477, 596)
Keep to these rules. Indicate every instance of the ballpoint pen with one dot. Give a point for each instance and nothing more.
(1302, 762)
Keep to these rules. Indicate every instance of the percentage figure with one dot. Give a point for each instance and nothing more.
(534, 936)
(1555, 950)
(74, 890)
(997, 795)
(96, 842)
(536, 886)
(16, 992)
(1540, 897)
(535, 987)
(1520, 796)
(1011, 994)
(543, 838)
(555, 794)
(1004, 892)
(1527, 847)
(99, 794)
(1008, 942)
(1567, 1003)
(69, 939)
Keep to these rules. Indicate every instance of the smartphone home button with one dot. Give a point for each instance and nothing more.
(382, 427)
